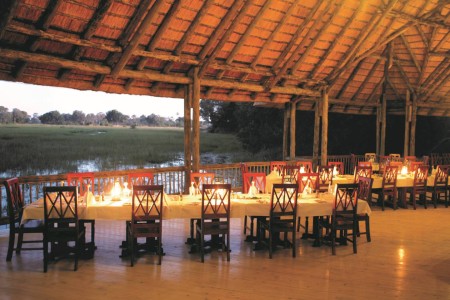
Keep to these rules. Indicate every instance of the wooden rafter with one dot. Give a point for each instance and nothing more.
(271, 82)
(436, 73)
(274, 33)
(8, 9)
(96, 20)
(225, 37)
(369, 75)
(249, 30)
(135, 21)
(336, 41)
(404, 76)
(134, 43)
(411, 53)
(349, 79)
(439, 81)
(419, 20)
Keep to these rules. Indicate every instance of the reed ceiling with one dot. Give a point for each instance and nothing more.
(264, 51)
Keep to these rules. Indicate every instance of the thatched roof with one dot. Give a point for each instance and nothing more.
(263, 51)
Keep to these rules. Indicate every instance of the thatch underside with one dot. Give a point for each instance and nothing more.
(263, 51)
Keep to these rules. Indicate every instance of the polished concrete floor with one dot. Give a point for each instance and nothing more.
(408, 258)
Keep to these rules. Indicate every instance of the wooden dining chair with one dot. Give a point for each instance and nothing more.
(365, 171)
(278, 166)
(17, 226)
(365, 164)
(282, 218)
(339, 166)
(388, 191)
(307, 165)
(410, 158)
(305, 180)
(370, 156)
(419, 188)
(215, 217)
(258, 180)
(344, 217)
(325, 177)
(62, 223)
(146, 218)
(440, 186)
(383, 161)
(290, 174)
(364, 193)
(395, 157)
(413, 165)
(84, 182)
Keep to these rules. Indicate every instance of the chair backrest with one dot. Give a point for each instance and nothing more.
(397, 164)
(365, 189)
(244, 168)
(199, 179)
(362, 171)
(413, 165)
(339, 166)
(258, 179)
(346, 199)
(370, 156)
(283, 201)
(365, 164)
(410, 158)
(420, 179)
(307, 165)
(395, 157)
(84, 182)
(308, 180)
(60, 206)
(290, 174)
(147, 204)
(383, 161)
(325, 177)
(441, 176)
(279, 165)
(390, 177)
(216, 201)
(143, 178)
(15, 201)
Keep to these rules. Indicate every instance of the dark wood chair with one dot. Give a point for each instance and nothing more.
(146, 218)
(339, 166)
(278, 166)
(282, 217)
(419, 189)
(62, 223)
(364, 171)
(215, 217)
(383, 161)
(440, 186)
(395, 157)
(370, 156)
(258, 180)
(388, 189)
(325, 177)
(84, 182)
(290, 174)
(15, 206)
(365, 193)
(344, 217)
(305, 180)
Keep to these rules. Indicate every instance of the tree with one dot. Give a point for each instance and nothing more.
(114, 116)
(52, 117)
(78, 117)
(20, 116)
(5, 115)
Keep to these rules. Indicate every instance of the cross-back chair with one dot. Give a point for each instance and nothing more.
(383, 161)
(84, 182)
(395, 157)
(215, 216)
(339, 166)
(290, 174)
(62, 223)
(325, 177)
(440, 186)
(143, 178)
(365, 193)
(15, 206)
(344, 217)
(277, 166)
(252, 181)
(365, 164)
(305, 180)
(370, 156)
(419, 189)
(146, 217)
(282, 217)
(307, 165)
(388, 189)
(413, 165)
(365, 171)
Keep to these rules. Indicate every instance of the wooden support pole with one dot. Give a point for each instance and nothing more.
(412, 135)
(196, 121)
(187, 136)
(383, 125)
(407, 123)
(378, 127)
(293, 111)
(324, 146)
(316, 143)
(285, 130)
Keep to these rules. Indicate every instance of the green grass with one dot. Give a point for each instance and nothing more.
(29, 150)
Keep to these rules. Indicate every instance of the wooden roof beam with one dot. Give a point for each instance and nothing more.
(99, 69)
(436, 73)
(96, 20)
(275, 32)
(411, 53)
(271, 82)
(438, 82)
(419, 20)
(404, 76)
(8, 9)
(133, 24)
(349, 80)
(248, 31)
(336, 41)
(234, 22)
(134, 43)
(323, 28)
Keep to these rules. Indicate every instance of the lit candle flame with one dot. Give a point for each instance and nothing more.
(404, 170)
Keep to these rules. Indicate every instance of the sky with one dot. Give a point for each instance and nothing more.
(42, 99)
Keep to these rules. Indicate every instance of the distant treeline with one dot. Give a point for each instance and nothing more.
(112, 117)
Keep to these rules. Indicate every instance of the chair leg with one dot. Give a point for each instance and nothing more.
(294, 239)
(270, 244)
(76, 254)
(202, 249)
(298, 224)
(228, 246)
(368, 229)
(333, 241)
(19, 243)
(245, 224)
(159, 249)
(45, 255)
(355, 250)
(12, 237)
